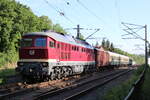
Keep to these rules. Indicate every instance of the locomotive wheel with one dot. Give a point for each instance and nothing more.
(65, 71)
(70, 71)
(59, 76)
(46, 78)
(53, 76)
(59, 72)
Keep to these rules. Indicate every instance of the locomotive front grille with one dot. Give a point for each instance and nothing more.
(32, 68)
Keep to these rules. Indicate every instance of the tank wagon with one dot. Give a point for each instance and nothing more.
(49, 55)
(53, 55)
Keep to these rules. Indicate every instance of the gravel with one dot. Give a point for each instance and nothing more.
(99, 93)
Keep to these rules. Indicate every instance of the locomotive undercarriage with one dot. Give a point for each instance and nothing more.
(36, 70)
(64, 71)
(60, 72)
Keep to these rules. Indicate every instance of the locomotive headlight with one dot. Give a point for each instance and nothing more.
(30, 70)
(45, 64)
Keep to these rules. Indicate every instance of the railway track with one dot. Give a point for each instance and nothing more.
(87, 90)
(16, 90)
(74, 91)
(50, 89)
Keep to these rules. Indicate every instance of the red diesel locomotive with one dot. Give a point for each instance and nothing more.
(53, 55)
(49, 55)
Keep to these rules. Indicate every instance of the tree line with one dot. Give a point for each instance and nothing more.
(107, 45)
(15, 20)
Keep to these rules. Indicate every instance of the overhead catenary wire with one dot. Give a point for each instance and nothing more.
(85, 7)
(118, 14)
(138, 29)
(92, 34)
(69, 6)
(91, 12)
(133, 24)
(61, 13)
(132, 32)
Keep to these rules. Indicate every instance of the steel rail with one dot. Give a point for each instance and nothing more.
(87, 90)
(53, 93)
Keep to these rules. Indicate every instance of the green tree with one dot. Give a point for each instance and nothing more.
(58, 28)
(17, 19)
(45, 23)
(81, 37)
(107, 44)
(103, 44)
(111, 47)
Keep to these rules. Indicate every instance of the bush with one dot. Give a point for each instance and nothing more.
(6, 58)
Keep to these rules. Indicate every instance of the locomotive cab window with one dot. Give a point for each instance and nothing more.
(26, 42)
(58, 45)
(40, 42)
(52, 44)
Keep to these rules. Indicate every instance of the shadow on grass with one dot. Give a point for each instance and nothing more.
(4, 73)
(145, 91)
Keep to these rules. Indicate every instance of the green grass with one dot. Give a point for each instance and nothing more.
(7, 65)
(4, 73)
(119, 92)
(7, 72)
(145, 90)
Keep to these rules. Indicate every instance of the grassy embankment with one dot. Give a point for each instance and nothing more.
(145, 90)
(119, 92)
(7, 65)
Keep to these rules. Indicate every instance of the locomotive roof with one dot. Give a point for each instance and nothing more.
(62, 38)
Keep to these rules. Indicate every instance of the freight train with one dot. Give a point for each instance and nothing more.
(49, 55)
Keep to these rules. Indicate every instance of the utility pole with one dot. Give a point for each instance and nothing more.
(146, 54)
(78, 28)
(78, 31)
(130, 31)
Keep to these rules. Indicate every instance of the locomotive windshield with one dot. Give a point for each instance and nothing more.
(26, 42)
(40, 42)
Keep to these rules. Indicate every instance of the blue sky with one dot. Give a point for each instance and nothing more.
(104, 14)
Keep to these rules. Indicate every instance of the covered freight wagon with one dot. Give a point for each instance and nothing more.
(102, 58)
